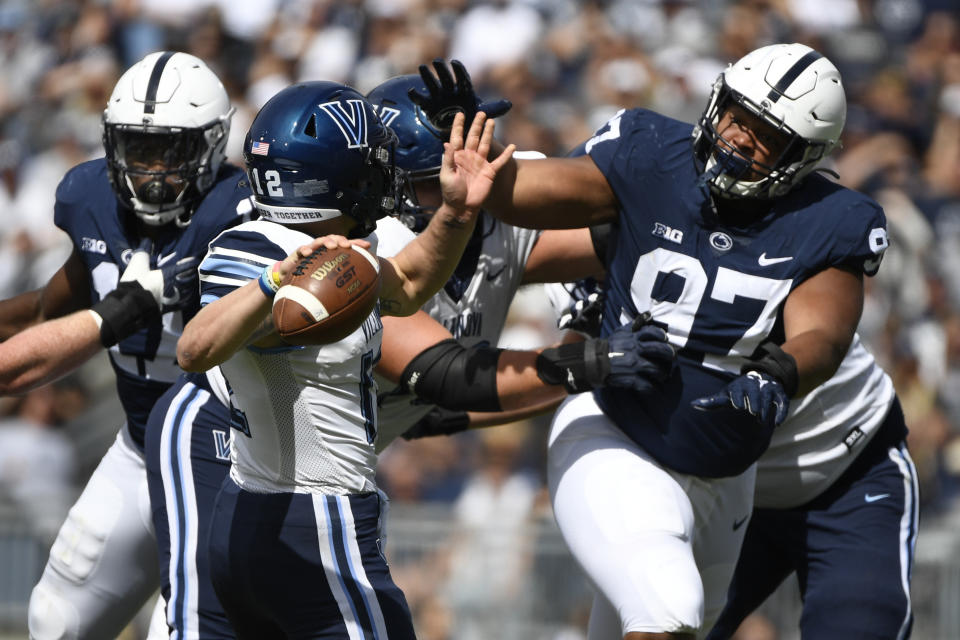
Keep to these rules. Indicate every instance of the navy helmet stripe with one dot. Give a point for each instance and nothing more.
(792, 74)
(150, 100)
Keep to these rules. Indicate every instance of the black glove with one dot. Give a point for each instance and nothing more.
(124, 311)
(756, 392)
(439, 422)
(635, 356)
(448, 94)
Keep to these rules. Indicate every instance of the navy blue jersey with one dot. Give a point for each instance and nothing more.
(104, 234)
(717, 289)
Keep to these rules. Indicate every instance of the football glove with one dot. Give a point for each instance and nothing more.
(124, 311)
(584, 316)
(448, 94)
(635, 356)
(757, 393)
(439, 422)
(171, 285)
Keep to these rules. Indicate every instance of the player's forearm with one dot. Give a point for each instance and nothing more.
(427, 262)
(222, 327)
(481, 420)
(551, 193)
(818, 356)
(45, 352)
(19, 312)
(518, 385)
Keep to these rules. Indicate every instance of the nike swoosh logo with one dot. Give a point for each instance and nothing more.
(739, 523)
(765, 261)
(873, 498)
(165, 259)
(496, 274)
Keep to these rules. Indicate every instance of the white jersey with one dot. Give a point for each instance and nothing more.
(824, 432)
(309, 412)
(473, 308)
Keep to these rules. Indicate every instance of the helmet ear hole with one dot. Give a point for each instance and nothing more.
(311, 128)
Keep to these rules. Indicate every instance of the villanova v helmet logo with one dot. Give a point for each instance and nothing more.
(388, 114)
(351, 118)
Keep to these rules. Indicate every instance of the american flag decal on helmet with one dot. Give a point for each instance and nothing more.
(259, 148)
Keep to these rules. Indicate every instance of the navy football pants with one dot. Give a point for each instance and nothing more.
(188, 457)
(852, 550)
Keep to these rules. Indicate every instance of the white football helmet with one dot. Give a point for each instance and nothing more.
(164, 132)
(798, 92)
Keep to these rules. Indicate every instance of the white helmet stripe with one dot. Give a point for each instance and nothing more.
(792, 74)
(153, 85)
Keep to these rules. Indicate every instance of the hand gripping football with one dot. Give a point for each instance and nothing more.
(327, 297)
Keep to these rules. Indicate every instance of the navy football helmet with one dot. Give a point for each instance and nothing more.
(794, 89)
(419, 151)
(318, 150)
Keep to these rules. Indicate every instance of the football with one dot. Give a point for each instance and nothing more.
(327, 297)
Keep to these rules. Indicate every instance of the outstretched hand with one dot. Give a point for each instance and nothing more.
(449, 94)
(466, 174)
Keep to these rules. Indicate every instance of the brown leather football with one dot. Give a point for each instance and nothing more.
(327, 297)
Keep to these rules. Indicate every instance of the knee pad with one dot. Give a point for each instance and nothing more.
(50, 616)
(78, 548)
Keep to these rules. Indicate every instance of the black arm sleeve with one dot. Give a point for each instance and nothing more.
(452, 376)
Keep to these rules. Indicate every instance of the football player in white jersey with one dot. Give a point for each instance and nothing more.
(442, 356)
(139, 219)
(754, 265)
(293, 545)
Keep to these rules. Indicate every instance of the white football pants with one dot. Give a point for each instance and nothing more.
(659, 546)
(103, 565)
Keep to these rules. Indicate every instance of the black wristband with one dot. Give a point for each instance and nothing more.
(776, 362)
(578, 366)
(124, 311)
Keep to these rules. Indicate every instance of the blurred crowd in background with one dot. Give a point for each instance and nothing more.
(567, 66)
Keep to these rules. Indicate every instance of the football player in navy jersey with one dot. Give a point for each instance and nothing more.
(139, 219)
(754, 266)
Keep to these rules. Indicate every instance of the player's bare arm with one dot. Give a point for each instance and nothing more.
(562, 255)
(47, 351)
(67, 291)
(552, 193)
(466, 176)
(820, 317)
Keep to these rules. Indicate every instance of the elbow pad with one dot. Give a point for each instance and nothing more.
(455, 377)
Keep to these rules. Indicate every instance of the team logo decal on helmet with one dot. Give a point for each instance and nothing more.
(352, 123)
